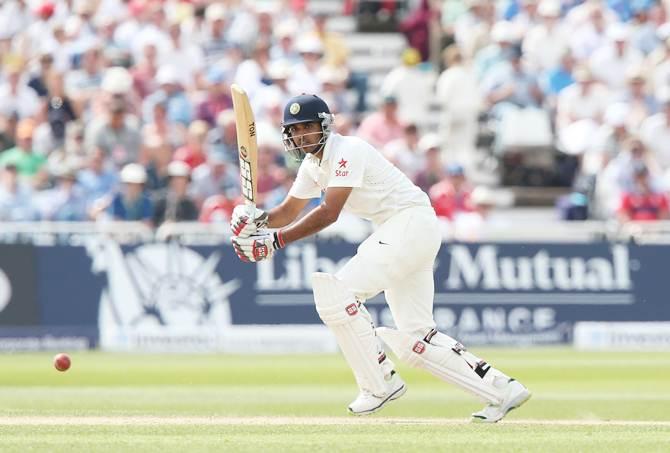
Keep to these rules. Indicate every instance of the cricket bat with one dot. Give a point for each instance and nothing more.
(247, 146)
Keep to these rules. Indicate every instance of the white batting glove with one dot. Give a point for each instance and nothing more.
(241, 225)
(259, 247)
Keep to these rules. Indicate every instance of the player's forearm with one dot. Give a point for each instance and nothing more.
(317, 219)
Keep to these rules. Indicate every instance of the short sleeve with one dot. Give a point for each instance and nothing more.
(304, 186)
(347, 167)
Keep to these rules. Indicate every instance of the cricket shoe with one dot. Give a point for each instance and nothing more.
(515, 395)
(367, 403)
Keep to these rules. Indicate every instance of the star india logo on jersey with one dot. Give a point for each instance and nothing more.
(161, 296)
(342, 164)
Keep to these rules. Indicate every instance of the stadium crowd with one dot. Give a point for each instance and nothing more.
(117, 109)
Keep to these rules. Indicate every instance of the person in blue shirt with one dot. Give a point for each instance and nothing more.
(132, 203)
(554, 80)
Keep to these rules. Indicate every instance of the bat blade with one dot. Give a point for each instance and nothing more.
(247, 146)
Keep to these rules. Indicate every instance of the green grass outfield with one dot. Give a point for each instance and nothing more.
(613, 402)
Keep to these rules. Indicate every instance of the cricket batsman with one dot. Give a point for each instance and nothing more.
(397, 259)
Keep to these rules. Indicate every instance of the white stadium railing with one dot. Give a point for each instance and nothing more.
(350, 230)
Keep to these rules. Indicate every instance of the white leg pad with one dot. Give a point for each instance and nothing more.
(448, 360)
(352, 327)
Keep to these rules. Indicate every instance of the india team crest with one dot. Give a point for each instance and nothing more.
(159, 291)
(294, 108)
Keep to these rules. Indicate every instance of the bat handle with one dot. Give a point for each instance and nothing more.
(251, 211)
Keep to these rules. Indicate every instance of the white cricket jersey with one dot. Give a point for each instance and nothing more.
(380, 190)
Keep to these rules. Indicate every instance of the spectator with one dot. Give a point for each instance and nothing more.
(115, 132)
(217, 98)
(304, 78)
(655, 131)
(194, 152)
(7, 131)
(384, 125)
(404, 152)
(217, 209)
(27, 162)
(215, 43)
(98, 179)
(160, 130)
(190, 56)
(416, 27)
(82, 84)
(643, 203)
(15, 94)
(504, 37)
(461, 101)
(179, 109)
(174, 204)
(65, 202)
(16, 199)
(223, 138)
(451, 195)
(546, 42)
(611, 62)
(433, 170)
(586, 99)
(60, 109)
(411, 85)
(217, 176)
(558, 78)
(132, 203)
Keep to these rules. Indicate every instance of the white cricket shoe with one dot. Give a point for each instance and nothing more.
(366, 403)
(515, 395)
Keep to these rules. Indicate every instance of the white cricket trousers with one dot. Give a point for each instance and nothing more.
(398, 259)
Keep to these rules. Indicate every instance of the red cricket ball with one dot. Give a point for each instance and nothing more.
(62, 362)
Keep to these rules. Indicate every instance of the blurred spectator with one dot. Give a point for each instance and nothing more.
(461, 101)
(640, 101)
(190, 56)
(610, 63)
(131, 202)
(558, 77)
(504, 37)
(194, 152)
(252, 72)
(27, 162)
(15, 94)
(223, 138)
(38, 78)
(333, 91)
(511, 84)
(304, 78)
(217, 97)
(144, 72)
(546, 41)
(416, 27)
(158, 156)
(82, 84)
(60, 109)
(7, 131)
(170, 91)
(451, 195)
(160, 131)
(97, 179)
(215, 42)
(65, 202)
(618, 177)
(115, 132)
(382, 126)
(655, 131)
(217, 176)
(643, 202)
(433, 169)
(590, 24)
(72, 154)
(411, 85)
(586, 99)
(217, 209)
(16, 199)
(174, 204)
(404, 152)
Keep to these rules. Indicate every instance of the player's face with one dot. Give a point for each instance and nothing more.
(306, 136)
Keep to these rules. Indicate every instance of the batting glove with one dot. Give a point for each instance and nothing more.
(241, 224)
(258, 247)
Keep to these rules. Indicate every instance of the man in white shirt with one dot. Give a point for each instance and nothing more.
(397, 259)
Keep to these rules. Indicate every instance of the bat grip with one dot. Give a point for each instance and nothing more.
(251, 211)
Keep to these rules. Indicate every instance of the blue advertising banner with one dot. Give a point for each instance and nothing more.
(190, 296)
